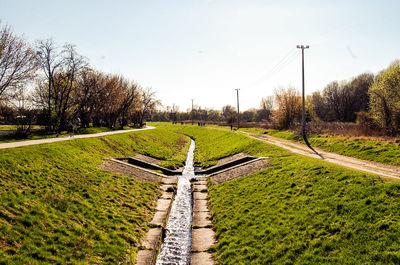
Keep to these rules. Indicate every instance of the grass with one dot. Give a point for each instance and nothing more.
(57, 207)
(304, 211)
(380, 151)
(9, 127)
(300, 210)
(40, 133)
(212, 145)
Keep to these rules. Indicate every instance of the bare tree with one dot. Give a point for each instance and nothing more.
(265, 110)
(50, 60)
(21, 100)
(61, 69)
(129, 94)
(18, 63)
(148, 104)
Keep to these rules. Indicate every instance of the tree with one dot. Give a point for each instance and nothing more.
(61, 69)
(359, 87)
(319, 107)
(336, 98)
(18, 63)
(289, 108)
(249, 115)
(343, 100)
(20, 99)
(385, 98)
(147, 104)
(265, 110)
(214, 115)
(129, 94)
(229, 113)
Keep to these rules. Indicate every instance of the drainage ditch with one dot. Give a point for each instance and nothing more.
(175, 248)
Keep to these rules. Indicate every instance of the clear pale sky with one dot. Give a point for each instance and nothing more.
(204, 49)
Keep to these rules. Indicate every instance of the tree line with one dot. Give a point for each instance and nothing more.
(371, 101)
(228, 114)
(55, 86)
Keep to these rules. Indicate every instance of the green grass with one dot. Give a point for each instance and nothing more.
(14, 127)
(40, 133)
(368, 149)
(300, 210)
(57, 207)
(8, 128)
(305, 211)
(213, 144)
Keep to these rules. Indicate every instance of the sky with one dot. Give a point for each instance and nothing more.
(205, 49)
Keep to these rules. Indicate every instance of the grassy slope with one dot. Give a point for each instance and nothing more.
(208, 145)
(300, 210)
(373, 150)
(57, 207)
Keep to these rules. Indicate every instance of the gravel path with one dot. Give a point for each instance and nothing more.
(67, 138)
(351, 162)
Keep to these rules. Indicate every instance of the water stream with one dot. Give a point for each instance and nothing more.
(176, 246)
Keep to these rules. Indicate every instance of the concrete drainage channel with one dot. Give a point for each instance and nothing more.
(188, 234)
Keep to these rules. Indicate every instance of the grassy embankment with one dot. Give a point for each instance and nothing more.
(300, 210)
(208, 145)
(57, 207)
(377, 150)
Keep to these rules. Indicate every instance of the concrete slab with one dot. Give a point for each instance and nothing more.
(202, 239)
(172, 181)
(200, 182)
(200, 206)
(201, 258)
(168, 187)
(201, 219)
(145, 257)
(159, 218)
(200, 187)
(200, 195)
(167, 195)
(152, 238)
(163, 204)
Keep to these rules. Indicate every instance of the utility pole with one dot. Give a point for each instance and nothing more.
(192, 111)
(303, 116)
(302, 47)
(237, 99)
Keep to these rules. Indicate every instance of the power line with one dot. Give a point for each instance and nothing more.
(282, 63)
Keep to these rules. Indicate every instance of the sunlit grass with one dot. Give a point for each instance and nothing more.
(299, 210)
(40, 133)
(57, 207)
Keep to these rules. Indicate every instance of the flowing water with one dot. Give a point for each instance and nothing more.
(176, 246)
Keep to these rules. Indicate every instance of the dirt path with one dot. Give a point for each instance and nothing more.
(67, 138)
(354, 163)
